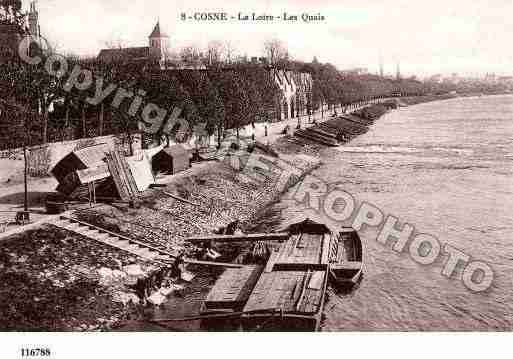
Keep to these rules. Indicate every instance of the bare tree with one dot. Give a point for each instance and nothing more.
(190, 54)
(275, 51)
(214, 52)
(229, 51)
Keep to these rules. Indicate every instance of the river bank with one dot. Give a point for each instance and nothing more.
(239, 188)
(75, 284)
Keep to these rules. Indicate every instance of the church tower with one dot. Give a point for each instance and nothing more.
(33, 20)
(159, 41)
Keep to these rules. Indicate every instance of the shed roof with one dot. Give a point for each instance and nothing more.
(93, 155)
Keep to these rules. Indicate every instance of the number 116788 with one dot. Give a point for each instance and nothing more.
(35, 352)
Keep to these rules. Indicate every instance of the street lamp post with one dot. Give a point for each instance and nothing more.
(25, 198)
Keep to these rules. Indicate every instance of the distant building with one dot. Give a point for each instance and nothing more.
(155, 52)
(356, 71)
(295, 87)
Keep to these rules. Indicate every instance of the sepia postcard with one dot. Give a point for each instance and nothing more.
(257, 166)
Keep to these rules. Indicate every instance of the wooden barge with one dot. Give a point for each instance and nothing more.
(288, 292)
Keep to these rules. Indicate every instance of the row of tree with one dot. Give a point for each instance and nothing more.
(221, 96)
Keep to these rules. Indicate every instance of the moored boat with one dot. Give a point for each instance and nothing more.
(347, 265)
(288, 293)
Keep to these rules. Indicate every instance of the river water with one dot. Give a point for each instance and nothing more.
(447, 168)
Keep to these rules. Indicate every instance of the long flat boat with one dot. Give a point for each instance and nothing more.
(288, 293)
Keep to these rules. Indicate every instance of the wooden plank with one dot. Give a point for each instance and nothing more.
(256, 237)
(313, 300)
(122, 176)
(126, 174)
(307, 257)
(306, 278)
(288, 248)
(326, 246)
(287, 291)
(116, 176)
(129, 178)
(298, 266)
(233, 288)
(316, 281)
(271, 261)
(347, 230)
(340, 252)
(347, 265)
(93, 174)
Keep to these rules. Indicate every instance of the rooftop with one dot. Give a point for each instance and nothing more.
(157, 32)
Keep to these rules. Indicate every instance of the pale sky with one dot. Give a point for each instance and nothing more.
(427, 37)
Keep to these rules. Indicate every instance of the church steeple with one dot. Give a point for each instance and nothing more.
(159, 40)
(33, 20)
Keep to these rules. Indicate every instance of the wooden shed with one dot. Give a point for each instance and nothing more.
(171, 160)
(87, 157)
(80, 167)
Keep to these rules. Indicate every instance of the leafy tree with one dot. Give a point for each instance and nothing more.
(235, 99)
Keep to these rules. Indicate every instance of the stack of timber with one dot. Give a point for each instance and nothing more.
(122, 176)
